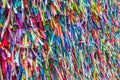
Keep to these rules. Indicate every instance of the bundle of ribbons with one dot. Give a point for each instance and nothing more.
(59, 39)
